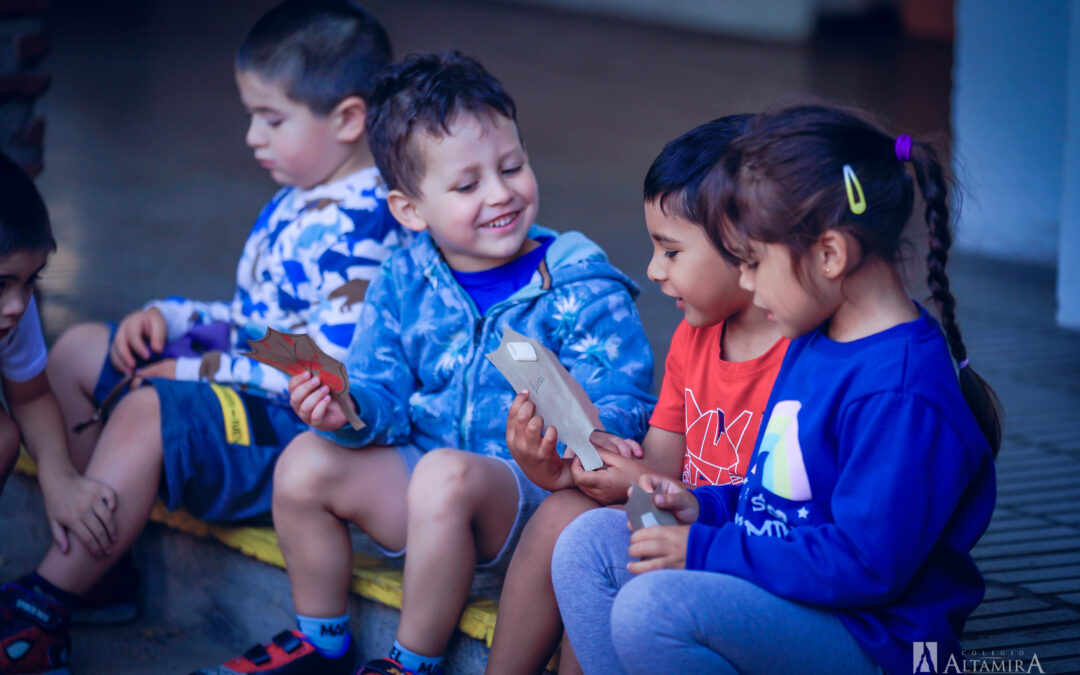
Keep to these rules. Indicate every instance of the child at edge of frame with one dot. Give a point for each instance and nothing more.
(201, 426)
(719, 370)
(848, 548)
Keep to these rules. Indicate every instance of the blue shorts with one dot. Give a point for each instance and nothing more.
(219, 448)
(219, 445)
(529, 497)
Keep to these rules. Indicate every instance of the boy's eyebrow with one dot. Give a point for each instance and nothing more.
(664, 239)
(36, 272)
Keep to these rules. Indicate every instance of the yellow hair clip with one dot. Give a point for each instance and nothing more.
(852, 185)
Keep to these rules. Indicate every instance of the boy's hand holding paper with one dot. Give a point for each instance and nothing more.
(559, 399)
(294, 354)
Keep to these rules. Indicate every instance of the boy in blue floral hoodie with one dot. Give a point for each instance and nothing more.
(431, 471)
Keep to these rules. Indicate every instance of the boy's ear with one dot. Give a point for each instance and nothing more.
(405, 211)
(350, 115)
(833, 253)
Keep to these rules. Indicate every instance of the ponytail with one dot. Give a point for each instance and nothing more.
(980, 397)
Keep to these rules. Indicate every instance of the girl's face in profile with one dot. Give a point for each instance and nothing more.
(771, 272)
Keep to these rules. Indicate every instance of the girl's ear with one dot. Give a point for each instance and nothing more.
(349, 116)
(405, 210)
(833, 253)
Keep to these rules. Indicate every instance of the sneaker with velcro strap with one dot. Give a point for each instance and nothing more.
(288, 653)
(34, 636)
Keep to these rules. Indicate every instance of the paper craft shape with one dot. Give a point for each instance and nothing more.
(558, 397)
(294, 353)
(642, 512)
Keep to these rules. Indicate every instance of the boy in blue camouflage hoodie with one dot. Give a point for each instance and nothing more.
(208, 431)
(431, 471)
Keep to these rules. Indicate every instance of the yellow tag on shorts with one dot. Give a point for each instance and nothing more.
(232, 408)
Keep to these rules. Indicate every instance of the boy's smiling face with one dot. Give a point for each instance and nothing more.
(690, 269)
(478, 195)
(296, 146)
(19, 271)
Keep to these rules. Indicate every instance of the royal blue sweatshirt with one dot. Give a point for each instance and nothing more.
(869, 486)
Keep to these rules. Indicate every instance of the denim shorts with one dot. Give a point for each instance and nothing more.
(219, 447)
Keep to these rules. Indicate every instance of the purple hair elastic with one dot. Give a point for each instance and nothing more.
(963, 364)
(902, 147)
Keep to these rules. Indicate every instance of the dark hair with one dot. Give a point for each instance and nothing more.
(322, 51)
(24, 221)
(788, 188)
(676, 175)
(426, 92)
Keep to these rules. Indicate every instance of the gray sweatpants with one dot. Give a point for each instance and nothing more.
(680, 621)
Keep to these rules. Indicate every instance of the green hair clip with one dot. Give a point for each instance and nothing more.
(853, 186)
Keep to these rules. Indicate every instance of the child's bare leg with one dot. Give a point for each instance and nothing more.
(73, 369)
(9, 446)
(529, 625)
(462, 507)
(128, 459)
(318, 488)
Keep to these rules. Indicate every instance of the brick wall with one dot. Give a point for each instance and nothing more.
(23, 79)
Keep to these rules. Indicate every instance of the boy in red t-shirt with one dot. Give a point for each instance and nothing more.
(719, 371)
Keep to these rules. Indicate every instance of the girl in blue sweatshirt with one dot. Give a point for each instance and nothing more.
(848, 548)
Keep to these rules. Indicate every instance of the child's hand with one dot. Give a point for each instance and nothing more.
(536, 454)
(141, 334)
(609, 484)
(82, 506)
(311, 400)
(626, 447)
(165, 368)
(671, 495)
(659, 547)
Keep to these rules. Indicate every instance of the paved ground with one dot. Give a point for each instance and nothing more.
(152, 192)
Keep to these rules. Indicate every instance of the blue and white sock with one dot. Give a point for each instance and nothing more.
(329, 635)
(413, 662)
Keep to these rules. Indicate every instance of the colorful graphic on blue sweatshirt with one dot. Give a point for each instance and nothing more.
(870, 485)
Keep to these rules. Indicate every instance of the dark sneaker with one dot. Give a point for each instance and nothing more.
(114, 600)
(33, 633)
(387, 666)
(287, 654)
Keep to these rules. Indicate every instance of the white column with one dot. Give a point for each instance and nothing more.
(1009, 125)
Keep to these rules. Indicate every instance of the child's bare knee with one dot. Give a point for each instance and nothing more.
(305, 468)
(442, 478)
(82, 343)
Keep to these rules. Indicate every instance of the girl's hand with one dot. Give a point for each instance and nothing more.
(165, 368)
(659, 547)
(626, 447)
(533, 447)
(610, 483)
(671, 495)
(82, 506)
(141, 334)
(311, 400)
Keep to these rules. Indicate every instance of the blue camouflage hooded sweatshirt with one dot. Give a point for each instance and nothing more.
(417, 369)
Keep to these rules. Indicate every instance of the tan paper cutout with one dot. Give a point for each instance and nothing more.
(295, 353)
(641, 511)
(558, 397)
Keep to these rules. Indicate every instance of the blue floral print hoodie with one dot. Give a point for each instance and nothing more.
(417, 369)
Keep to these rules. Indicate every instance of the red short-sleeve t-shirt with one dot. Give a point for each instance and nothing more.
(717, 404)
